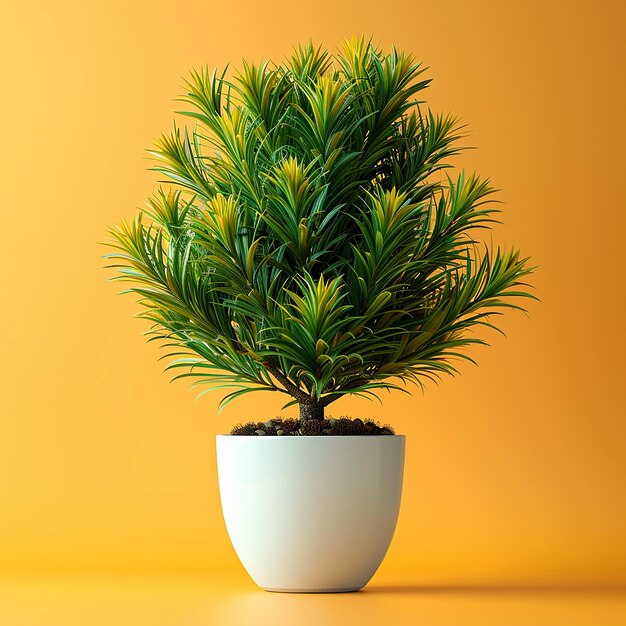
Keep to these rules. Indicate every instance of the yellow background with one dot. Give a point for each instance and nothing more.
(515, 472)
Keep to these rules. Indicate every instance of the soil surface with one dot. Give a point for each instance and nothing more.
(294, 427)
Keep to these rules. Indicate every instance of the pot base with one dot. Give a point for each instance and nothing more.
(349, 590)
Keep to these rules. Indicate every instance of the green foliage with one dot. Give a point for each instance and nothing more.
(312, 244)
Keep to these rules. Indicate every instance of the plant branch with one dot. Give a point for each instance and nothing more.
(293, 390)
(326, 400)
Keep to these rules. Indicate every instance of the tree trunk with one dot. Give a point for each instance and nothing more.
(311, 411)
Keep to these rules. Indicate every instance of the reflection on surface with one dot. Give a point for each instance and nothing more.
(151, 601)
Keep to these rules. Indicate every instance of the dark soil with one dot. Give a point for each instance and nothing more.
(294, 427)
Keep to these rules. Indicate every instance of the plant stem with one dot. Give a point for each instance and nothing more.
(293, 390)
(311, 411)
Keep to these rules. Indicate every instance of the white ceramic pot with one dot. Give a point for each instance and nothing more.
(310, 514)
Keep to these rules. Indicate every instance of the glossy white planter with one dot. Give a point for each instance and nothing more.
(310, 514)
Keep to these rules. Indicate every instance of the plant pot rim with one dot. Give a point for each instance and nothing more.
(301, 437)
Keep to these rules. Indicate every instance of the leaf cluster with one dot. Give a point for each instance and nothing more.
(312, 241)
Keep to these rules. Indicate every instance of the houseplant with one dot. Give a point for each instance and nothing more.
(313, 245)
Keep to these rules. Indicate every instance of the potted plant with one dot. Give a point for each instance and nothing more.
(312, 246)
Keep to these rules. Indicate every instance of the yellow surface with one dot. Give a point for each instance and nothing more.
(209, 602)
(515, 471)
